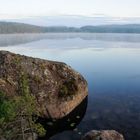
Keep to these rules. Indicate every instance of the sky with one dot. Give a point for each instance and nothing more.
(33, 8)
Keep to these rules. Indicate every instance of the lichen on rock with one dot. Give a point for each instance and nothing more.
(57, 88)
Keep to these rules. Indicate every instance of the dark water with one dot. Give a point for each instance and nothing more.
(111, 65)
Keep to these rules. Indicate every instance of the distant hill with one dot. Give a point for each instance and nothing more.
(12, 27)
(128, 28)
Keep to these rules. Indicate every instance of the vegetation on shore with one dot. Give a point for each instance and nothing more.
(11, 27)
(18, 115)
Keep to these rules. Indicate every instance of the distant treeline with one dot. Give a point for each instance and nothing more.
(11, 27)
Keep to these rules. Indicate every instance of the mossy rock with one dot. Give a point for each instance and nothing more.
(58, 88)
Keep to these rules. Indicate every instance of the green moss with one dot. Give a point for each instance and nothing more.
(42, 66)
(37, 79)
(24, 84)
(17, 60)
(69, 88)
(7, 110)
(63, 91)
(71, 84)
(40, 130)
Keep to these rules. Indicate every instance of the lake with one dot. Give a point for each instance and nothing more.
(111, 65)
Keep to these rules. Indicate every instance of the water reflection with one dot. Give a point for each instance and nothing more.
(120, 112)
(69, 122)
(111, 65)
(16, 39)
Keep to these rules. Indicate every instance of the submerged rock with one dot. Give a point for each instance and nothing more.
(57, 87)
(103, 135)
(67, 123)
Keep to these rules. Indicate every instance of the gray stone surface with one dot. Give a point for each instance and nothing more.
(57, 87)
(103, 135)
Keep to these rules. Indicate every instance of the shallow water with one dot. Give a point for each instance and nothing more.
(111, 65)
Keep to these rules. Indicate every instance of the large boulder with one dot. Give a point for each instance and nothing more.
(103, 135)
(57, 87)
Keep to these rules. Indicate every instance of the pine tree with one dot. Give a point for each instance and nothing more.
(18, 115)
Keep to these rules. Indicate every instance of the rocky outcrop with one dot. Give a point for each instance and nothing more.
(57, 87)
(103, 135)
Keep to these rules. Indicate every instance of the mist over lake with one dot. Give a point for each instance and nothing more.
(111, 65)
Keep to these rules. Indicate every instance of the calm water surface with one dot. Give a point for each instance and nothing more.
(111, 65)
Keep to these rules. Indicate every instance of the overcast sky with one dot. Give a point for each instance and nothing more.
(25, 8)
